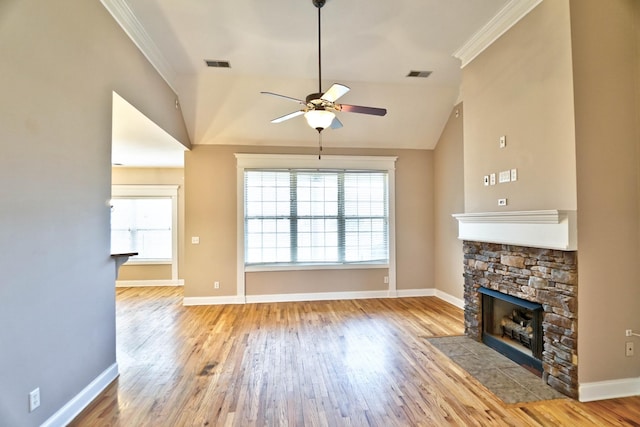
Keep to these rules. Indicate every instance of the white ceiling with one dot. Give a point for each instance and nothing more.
(368, 45)
(139, 142)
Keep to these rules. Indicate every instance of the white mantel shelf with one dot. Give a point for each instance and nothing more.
(550, 229)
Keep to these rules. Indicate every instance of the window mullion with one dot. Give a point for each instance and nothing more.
(293, 222)
(341, 220)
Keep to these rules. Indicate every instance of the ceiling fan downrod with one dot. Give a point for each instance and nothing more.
(319, 4)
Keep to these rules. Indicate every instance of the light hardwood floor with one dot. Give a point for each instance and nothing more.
(334, 363)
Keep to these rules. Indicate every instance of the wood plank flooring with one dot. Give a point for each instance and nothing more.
(329, 363)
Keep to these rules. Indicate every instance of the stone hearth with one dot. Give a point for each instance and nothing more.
(545, 276)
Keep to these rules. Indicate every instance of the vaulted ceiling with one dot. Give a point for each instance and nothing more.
(368, 45)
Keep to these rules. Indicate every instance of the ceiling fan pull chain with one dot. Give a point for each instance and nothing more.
(319, 145)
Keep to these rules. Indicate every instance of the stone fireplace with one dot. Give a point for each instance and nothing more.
(531, 257)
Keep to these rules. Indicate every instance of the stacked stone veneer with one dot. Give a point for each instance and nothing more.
(545, 276)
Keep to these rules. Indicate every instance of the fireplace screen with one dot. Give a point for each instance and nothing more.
(513, 327)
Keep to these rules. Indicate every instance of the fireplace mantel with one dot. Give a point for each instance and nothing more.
(549, 229)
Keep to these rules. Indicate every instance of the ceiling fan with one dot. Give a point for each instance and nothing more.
(319, 108)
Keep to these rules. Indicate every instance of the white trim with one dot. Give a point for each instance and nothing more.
(72, 408)
(163, 190)
(316, 296)
(411, 293)
(232, 299)
(240, 277)
(322, 296)
(128, 21)
(313, 267)
(551, 229)
(143, 190)
(613, 389)
(458, 302)
(506, 18)
(302, 161)
(145, 283)
(431, 292)
(133, 261)
(391, 173)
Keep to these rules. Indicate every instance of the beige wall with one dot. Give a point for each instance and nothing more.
(606, 64)
(449, 199)
(521, 87)
(144, 272)
(563, 86)
(153, 176)
(311, 281)
(210, 182)
(60, 63)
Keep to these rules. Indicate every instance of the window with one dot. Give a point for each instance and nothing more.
(300, 216)
(142, 225)
(144, 219)
(270, 225)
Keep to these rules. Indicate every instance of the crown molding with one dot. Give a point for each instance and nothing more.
(506, 18)
(127, 20)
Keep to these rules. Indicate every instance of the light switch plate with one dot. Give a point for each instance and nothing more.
(492, 179)
(514, 175)
(486, 180)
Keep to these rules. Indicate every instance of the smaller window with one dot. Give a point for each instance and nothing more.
(142, 225)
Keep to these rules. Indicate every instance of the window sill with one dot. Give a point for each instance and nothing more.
(311, 267)
(133, 261)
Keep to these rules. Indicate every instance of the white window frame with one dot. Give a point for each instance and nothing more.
(295, 161)
(154, 191)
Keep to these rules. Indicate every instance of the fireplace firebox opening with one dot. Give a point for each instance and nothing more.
(513, 327)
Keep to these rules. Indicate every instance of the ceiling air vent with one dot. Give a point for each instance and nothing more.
(217, 64)
(423, 74)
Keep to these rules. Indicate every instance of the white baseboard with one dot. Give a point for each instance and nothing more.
(233, 299)
(322, 296)
(409, 293)
(68, 412)
(142, 283)
(458, 302)
(431, 292)
(319, 296)
(613, 389)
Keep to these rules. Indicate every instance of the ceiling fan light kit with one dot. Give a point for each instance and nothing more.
(319, 108)
(319, 119)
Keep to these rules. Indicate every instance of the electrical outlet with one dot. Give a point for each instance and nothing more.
(216, 285)
(502, 202)
(492, 179)
(503, 141)
(628, 332)
(34, 399)
(386, 279)
(628, 348)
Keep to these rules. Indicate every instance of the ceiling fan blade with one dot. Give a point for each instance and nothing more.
(287, 116)
(360, 109)
(335, 92)
(299, 101)
(336, 124)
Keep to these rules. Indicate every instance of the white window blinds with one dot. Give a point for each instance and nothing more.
(316, 216)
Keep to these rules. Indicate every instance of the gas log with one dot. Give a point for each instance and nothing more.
(518, 326)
